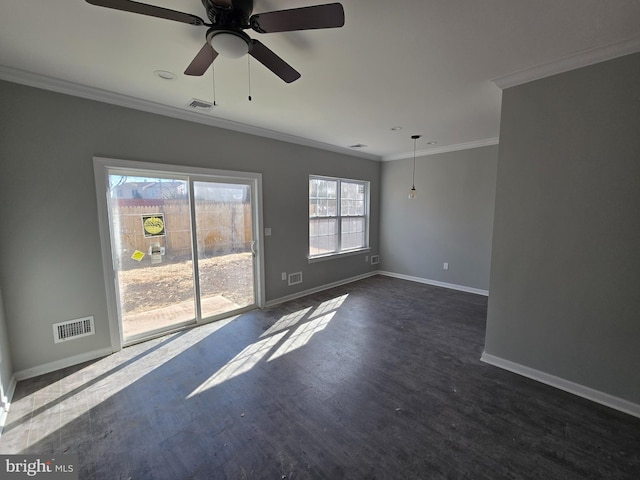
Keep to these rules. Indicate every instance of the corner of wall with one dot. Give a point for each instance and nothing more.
(5, 400)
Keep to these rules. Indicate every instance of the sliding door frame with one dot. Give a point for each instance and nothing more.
(101, 167)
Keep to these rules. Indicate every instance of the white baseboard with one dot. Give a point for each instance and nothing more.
(580, 390)
(304, 293)
(435, 283)
(6, 401)
(60, 364)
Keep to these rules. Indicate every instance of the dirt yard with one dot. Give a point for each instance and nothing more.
(148, 287)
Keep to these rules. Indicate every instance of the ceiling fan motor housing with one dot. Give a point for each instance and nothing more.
(232, 14)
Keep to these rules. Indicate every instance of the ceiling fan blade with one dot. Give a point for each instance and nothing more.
(203, 59)
(305, 18)
(273, 62)
(151, 10)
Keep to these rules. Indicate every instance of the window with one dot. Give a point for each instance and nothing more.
(338, 216)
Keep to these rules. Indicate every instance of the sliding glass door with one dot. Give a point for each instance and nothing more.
(183, 248)
(225, 246)
(152, 251)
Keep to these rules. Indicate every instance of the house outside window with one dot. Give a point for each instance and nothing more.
(338, 216)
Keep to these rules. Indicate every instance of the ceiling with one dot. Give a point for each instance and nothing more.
(431, 67)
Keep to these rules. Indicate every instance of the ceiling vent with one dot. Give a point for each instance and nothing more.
(200, 105)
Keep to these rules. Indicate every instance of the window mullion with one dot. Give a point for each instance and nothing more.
(339, 213)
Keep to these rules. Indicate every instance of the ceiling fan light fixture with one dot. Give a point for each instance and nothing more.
(230, 44)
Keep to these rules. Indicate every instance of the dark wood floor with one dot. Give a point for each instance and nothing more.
(378, 379)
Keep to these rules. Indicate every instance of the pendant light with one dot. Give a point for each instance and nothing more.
(412, 192)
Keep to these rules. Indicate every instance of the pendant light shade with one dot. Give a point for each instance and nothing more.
(413, 193)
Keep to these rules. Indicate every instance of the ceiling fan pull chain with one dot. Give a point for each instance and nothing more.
(249, 71)
(213, 76)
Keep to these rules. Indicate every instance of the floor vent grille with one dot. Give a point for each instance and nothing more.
(71, 329)
(295, 278)
(375, 259)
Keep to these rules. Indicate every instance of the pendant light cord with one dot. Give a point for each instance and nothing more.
(413, 179)
(412, 192)
(415, 138)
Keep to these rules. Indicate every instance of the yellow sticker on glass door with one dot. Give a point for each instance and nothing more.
(137, 255)
(153, 225)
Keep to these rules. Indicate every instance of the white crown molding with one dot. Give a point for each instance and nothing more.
(597, 396)
(571, 62)
(77, 90)
(449, 148)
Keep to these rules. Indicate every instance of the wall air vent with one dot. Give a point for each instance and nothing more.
(71, 329)
(200, 105)
(295, 278)
(375, 259)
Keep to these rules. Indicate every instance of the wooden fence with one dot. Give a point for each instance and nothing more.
(221, 228)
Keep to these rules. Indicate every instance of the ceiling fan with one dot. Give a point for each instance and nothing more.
(229, 18)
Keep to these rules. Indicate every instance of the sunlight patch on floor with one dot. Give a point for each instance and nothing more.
(241, 363)
(329, 306)
(301, 335)
(286, 322)
(83, 390)
(292, 331)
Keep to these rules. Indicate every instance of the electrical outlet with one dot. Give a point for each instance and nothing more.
(284, 275)
(445, 266)
(267, 233)
(366, 258)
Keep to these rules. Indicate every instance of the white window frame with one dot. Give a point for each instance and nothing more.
(102, 167)
(339, 252)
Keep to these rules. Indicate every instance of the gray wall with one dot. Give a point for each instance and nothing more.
(50, 265)
(6, 369)
(451, 219)
(565, 272)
